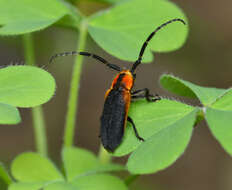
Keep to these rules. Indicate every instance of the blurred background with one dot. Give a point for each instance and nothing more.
(205, 59)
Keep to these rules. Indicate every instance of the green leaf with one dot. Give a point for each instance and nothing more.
(221, 126)
(218, 117)
(29, 16)
(163, 148)
(110, 1)
(113, 1)
(9, 114)
(99, 182)
(25, 86)
(177, 86)
(107, 1)
(122, 30)
(184, 88)
(27, 186)
(32, 167)
(104, 1)
(150, 118)
(5, 179)
(73, 19)
(61, 186)
(79, 161)
(224, 102)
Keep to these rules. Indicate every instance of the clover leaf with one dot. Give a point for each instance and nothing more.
(82, 170)
(216, 106)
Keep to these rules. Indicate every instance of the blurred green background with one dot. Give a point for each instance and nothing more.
(205, 59)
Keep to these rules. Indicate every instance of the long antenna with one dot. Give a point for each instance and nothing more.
(98, 58)
(138, 61)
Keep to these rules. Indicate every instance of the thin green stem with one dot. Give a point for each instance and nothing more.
(200, 116)
(130, 179)
(74, 89)
(37, 112)
(39, 130)
(104, 156)
(29, 53)
(5, 177)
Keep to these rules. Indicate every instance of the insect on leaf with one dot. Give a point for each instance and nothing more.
(150, 118)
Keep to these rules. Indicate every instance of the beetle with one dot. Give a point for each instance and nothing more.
(118, 97)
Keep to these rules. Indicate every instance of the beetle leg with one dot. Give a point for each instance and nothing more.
(129, 119)
(144, 93)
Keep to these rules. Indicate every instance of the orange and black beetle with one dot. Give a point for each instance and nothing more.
(118, 97)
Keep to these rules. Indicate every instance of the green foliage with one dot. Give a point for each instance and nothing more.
(24, 16)
(99, 182)
(105, 1)
(224, 102)
(108, 1)
(5, 179)
(23, 86)
(123, 29)
(217, 106)
(163, 148)
(219, 122)
(165, 125)
(79, 162)
(184, 88)
(61, 186)
(150, 119)
(218, 116)
(26, 186)
(120, 30)
(9, 114)
(32, 167)
(34, 171)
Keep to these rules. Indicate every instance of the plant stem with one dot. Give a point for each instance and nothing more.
(130, 179)
(39, 130)
(104, 156)
(37, 112)
(29, 53)
(74, 89)
(5, 177)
